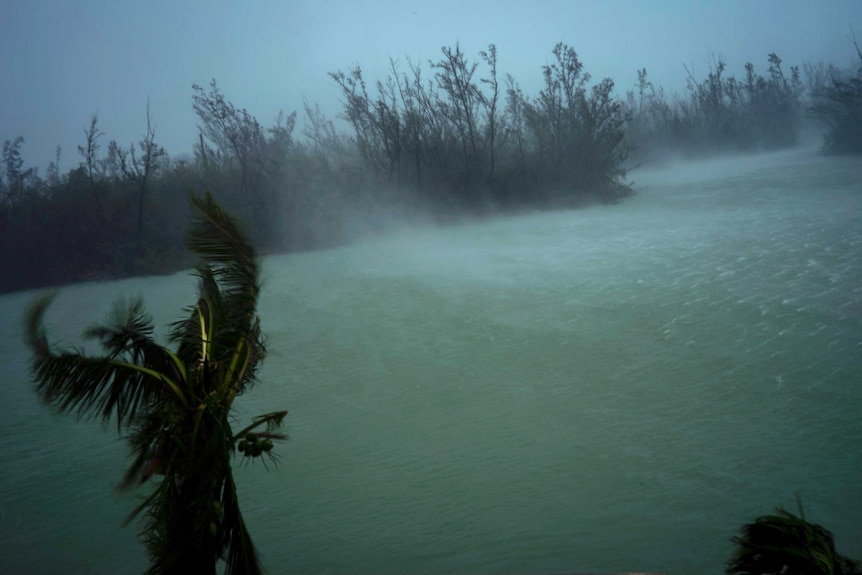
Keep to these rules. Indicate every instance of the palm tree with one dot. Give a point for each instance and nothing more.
(176, 404)
(787, 544)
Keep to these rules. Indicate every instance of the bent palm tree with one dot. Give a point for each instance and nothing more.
(177, 404)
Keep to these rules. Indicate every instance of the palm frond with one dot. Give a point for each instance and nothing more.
(217, 239)
(788, 544)
(229, 288)
(34, 334)
(128, 334)
(187, 333)
(99, 386)
(127, 323)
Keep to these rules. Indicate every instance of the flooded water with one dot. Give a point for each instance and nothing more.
(605, 389)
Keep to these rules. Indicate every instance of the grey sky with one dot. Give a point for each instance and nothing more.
(63, 61)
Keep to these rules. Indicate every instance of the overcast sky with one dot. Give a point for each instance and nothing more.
(61, 61)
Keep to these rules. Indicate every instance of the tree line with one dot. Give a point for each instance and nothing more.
(722, 113)
(837, 103)
(474, 137)
(719, 112)
(452, 137)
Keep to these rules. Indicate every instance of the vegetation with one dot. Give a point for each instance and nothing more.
(457, 136)
(720, 113)
(565, 144)
(463, 141)
(787, 544)
(176, 405)
(838, 104)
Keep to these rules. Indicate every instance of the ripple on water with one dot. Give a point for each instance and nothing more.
(613, 388)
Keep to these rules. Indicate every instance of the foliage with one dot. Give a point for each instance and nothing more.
(176, 405)
(720, 113)
(787, 544)
(838, 104)
(17, 179)
(457, 136)
(139, 168)
(578, 132)
(449, 133)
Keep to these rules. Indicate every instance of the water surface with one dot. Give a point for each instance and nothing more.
(610, 388)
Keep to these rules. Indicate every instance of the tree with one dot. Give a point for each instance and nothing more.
(237, 135)
(577, 135)
(17, 178)
(388, 120)
(91, 164)
(177, 404)
(787, 544)
(140, 168)
(605, 152)
(455, 79)
(839, 106)
(490, 58)
(555, 117)
(53, 177)
(359, 111)
(515, 103)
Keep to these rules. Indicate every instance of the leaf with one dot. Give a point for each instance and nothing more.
(103, 387)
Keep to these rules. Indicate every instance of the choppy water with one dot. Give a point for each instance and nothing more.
(612, 388)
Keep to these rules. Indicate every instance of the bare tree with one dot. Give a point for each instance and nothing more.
(388, 120)
(490, 58)
(455, 78)
(139, 167)
(53, 172)
(413, 119)
(235, 133)
(16, 175)
(92, 167)
(359, 111)
(326, 143)
(515, 102)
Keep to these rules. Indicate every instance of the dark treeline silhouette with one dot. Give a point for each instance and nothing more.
(837, 102)
(474, 137)
(719, 113)
(124, 212)
(454, 137)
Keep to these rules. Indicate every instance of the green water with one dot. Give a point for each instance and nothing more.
(606, 389)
